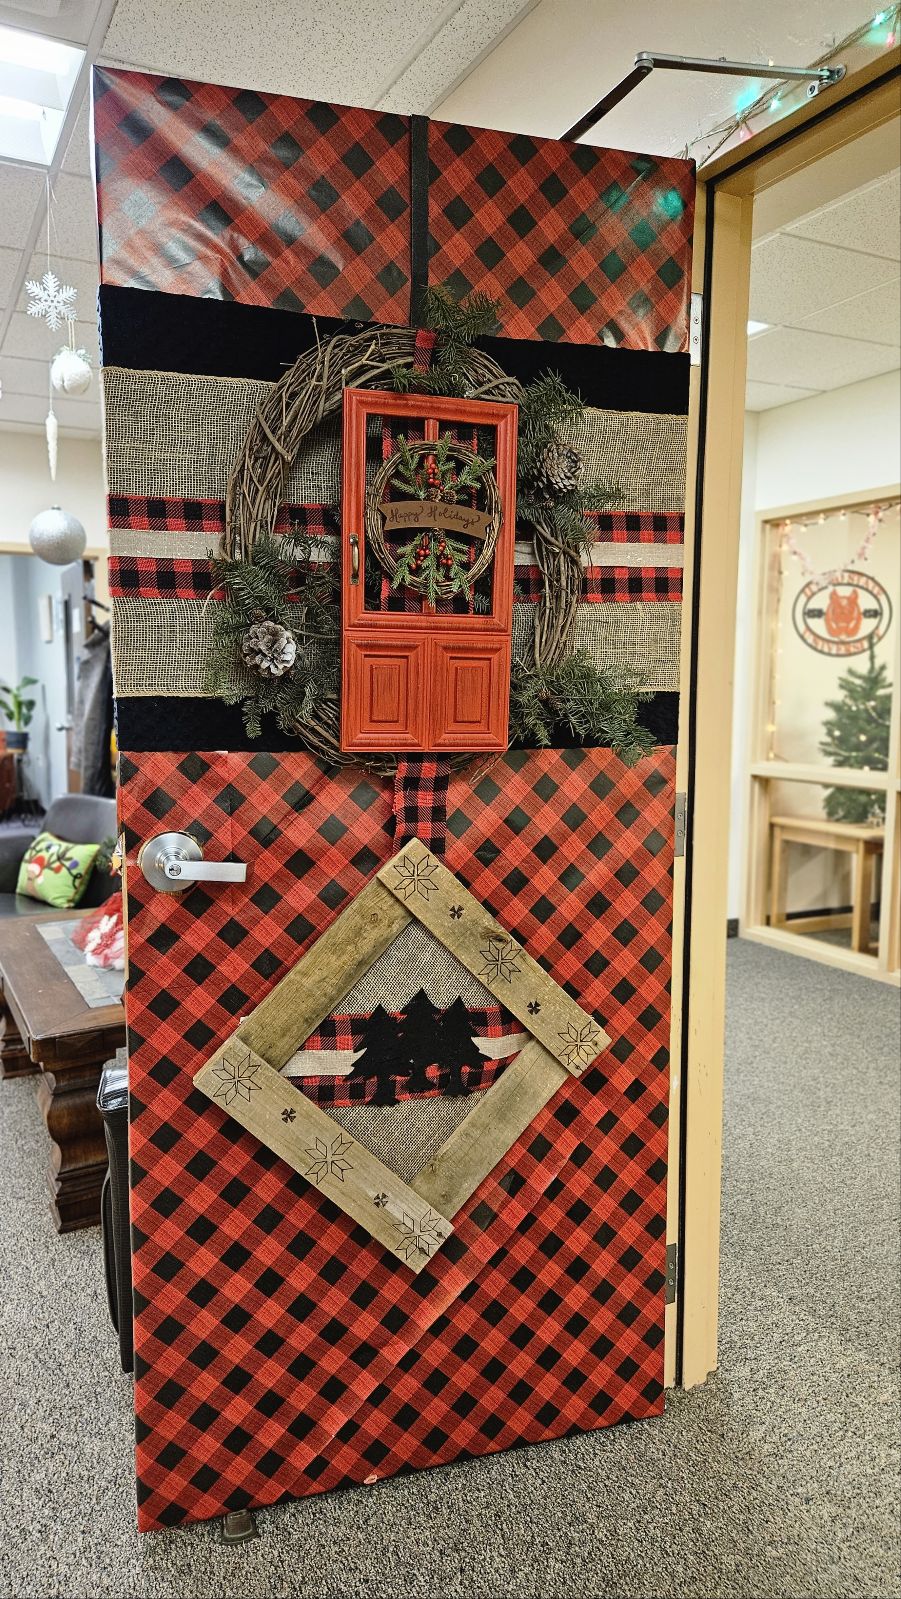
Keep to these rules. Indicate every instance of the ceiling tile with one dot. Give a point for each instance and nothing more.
(73, 218)
(32, 408)
(764, 396)
(21, 190)
(874, 316)
(792, 277)
(815, 360)
(9, 262)
(30, 337)
(868, 220)
(19, 376)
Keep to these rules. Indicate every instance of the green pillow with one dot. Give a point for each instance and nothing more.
(55, 871)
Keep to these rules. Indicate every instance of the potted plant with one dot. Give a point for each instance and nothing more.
(18, 712)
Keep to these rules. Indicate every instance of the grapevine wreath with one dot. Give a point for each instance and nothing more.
(276, 631)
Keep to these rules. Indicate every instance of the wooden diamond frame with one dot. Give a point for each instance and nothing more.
(412, 1220)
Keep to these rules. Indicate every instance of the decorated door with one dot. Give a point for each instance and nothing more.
(398, 1011)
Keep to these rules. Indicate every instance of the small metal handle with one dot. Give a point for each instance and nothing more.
(171, 862)
(354, 558)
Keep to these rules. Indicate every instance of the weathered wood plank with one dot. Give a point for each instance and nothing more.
(438, 899)
(284, 1020)
(238, 1080)
(500, 1117)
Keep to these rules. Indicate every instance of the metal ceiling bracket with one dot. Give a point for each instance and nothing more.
(647, 60)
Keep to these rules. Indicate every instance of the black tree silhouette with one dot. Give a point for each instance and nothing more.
(456, 1047)
(419, 1041)
(382, 1055)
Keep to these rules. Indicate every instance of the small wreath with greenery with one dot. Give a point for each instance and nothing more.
(276, 627)
(433, 562)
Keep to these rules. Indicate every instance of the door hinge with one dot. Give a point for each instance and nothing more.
(672, 1273)
(680, 819)
(696, 329)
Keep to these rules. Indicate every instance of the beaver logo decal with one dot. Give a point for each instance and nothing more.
(842, 615)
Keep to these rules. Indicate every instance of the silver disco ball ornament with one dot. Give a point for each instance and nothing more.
(57, 537)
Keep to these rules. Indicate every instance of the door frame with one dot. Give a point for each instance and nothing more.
(865, 100)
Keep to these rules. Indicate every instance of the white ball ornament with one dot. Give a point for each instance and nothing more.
(57, 537)
(70, 372)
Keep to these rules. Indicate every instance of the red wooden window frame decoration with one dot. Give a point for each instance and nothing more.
(423, 681)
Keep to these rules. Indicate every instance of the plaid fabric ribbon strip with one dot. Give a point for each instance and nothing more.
(349, 1033)
(420, 800)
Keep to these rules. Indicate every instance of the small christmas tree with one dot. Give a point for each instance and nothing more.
(857, 735)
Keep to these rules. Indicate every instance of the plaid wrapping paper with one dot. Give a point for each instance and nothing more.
(231, 194)
(578, 244)
(279, 1350)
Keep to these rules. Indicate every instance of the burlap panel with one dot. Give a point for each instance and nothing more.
(405, 1136)
(640, 636)
(171, 434)
(161, 647)
(641, 453)
(416, 959)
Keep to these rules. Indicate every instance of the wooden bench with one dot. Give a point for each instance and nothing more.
(852, 838)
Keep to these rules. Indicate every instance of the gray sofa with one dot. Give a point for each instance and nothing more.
(77, 818)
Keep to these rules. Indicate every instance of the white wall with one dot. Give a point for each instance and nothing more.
(846, 442)
(26, 489)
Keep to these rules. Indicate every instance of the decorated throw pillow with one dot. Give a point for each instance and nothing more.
(55, 871)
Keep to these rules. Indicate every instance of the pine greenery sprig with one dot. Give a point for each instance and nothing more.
(452, 477)
(290, 581)
(596, 705)
(458, 323)
(427, 570)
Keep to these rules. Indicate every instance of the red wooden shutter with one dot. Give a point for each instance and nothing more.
(427, 678)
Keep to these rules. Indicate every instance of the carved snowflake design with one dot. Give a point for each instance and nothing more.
(415, 877)
(421, 1235)
(289, 1115)
(456, 912)
(380, 1201)
(500, 959)
(580, 1044)
(236, 1072)
(534, 1007)
(52, 300)
(329, 1160)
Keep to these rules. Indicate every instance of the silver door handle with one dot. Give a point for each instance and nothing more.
(171, 862)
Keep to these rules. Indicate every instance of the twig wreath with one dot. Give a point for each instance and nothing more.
(433, 563)
(276, 632)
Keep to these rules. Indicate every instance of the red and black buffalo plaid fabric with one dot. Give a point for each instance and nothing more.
(584, 245)
(349, 1032)
(420, 800)
(279, 1351)
(231, 194)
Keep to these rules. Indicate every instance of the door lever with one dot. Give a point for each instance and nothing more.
(171, 862)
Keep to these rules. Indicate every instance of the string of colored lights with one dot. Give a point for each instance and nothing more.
(880, 32)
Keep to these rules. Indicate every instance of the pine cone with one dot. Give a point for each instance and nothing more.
(268, 649)
(558, 471)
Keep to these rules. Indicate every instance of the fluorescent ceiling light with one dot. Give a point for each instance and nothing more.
(37, 76)
(757, 327)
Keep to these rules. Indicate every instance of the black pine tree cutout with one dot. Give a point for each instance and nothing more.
(456, 1047)
(382, 1055)
(419, 1042)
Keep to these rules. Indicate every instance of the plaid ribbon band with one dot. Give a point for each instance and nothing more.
(141, 514)
(638, 527)
(420, 800)
(626, 583)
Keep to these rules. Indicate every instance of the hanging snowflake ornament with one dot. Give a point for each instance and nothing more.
(50, 299)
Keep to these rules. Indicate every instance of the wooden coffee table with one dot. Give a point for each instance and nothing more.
(49, 1029)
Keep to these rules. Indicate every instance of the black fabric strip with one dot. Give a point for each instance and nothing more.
(154, 722)
(144, 330)
(419, 216)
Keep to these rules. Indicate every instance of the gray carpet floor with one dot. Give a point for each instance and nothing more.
(779, 1477)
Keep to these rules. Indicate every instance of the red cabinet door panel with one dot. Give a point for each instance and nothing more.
(469, 706)
(384, 684)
